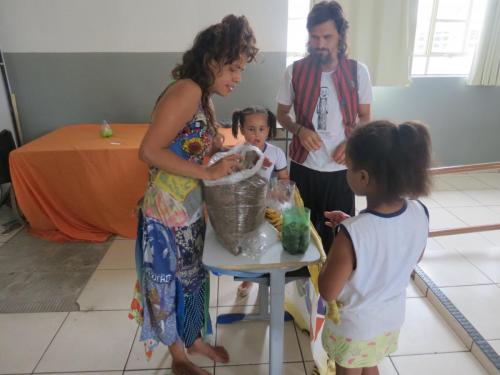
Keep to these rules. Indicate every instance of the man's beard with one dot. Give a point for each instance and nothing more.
(320, 55)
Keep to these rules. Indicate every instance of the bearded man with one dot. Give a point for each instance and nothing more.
(330, 95)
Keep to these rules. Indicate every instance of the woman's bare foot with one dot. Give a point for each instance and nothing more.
(187, 368)
(215, 353)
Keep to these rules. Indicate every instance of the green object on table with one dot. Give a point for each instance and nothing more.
(295, 231)
(106, 130)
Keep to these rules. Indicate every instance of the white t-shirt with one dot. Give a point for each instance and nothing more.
(387, 248)
(277, 158)
(327, 118)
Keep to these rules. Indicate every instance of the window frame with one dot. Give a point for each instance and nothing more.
(428, 54)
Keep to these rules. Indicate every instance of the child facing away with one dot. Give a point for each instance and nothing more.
(374, 253)
(256, 125)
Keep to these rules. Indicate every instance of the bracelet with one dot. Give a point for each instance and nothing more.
(298, 131)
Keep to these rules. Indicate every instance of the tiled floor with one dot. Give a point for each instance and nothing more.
(100, 339)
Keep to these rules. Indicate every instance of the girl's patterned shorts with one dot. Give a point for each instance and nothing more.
(351, 353)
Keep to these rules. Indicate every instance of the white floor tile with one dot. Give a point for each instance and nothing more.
(441, 218)
(489, 178)
(495, 345)
(412, 291)
(463, 242)
(214, 290)
(90, 341)
(24, 338)
(475, 215)
(496, 209)
(262, 369)
(439, 364)
(428, 202)
(227, 293)
(484, 197)
(454, 325)
(108, 290)
(425, 331)
(210, 370)
(440, 183)
(309, 367)
(486, 259)
(433, 245)
(161, 357)
(248, 342)
(480, 304)
(386, 367)
(120, 256)
(453, 199)
(492, 236)
(465, 182)
(305, 344)
(86, 373)
(450, 268)
(137, 359)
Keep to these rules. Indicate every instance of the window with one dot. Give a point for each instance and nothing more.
(297, 32)
(446, 36)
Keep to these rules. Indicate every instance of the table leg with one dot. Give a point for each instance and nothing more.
(277, 325)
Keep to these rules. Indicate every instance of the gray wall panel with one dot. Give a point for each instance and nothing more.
(464, 120)
(54, 89)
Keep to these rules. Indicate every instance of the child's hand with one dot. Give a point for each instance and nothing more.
(224, 167)
(335, 218)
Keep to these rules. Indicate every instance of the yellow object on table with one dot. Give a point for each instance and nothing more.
(333, 307)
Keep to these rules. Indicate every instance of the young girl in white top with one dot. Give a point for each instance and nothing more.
(374, 253)
(256, 125)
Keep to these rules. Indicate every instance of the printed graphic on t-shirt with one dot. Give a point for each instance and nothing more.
(321, 108)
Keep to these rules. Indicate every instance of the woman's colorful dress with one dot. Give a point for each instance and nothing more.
(172, 292)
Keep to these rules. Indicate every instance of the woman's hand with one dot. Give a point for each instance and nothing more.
(335, 218)
(224, 167)
(218, 142)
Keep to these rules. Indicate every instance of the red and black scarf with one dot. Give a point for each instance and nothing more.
(306, 82)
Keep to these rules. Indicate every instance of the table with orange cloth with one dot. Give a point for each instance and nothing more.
(72, 184)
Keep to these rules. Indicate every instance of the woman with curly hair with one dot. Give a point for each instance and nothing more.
(171, 299)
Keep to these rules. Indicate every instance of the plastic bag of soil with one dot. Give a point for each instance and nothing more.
(236, 203)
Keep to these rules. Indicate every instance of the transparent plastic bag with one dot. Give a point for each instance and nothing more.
(255, 244)
(280, 194)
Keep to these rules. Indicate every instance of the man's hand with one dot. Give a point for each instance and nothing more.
(335, 218)
(339, 154)
(309, 139)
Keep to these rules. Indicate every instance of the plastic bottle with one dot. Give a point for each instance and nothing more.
(106, 130)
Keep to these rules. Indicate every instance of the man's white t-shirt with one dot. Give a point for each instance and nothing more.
(327, 118)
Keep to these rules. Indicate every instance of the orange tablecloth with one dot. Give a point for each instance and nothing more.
(71, 184)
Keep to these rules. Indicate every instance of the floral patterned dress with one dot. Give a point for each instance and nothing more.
(171, 295)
